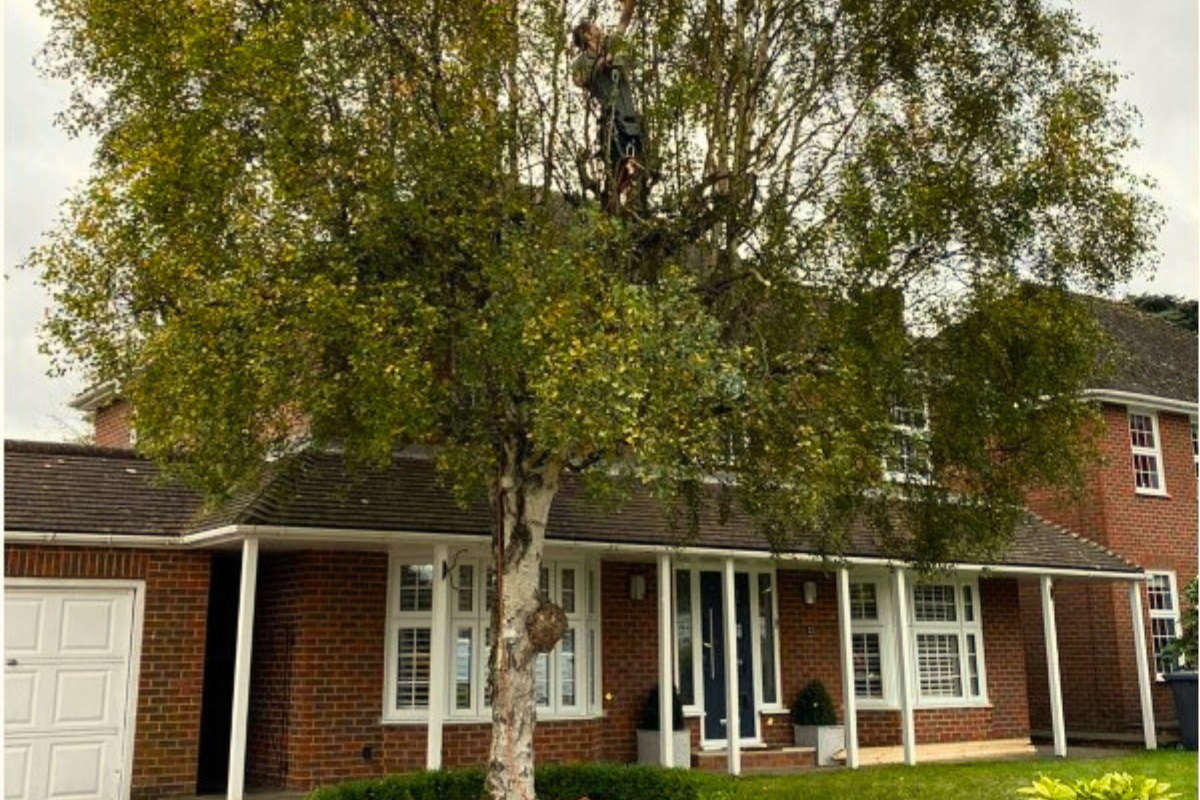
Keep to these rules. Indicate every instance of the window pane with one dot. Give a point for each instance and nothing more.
(591, 591)
(1158, 588)
(412, 668)
(566, 667)
(593, 667)
(568, 590)
(973, 664)
(863, 603)
(934, 603)
(541, 679)
(466, 588)
(1141, 431)
(868, 665)
(1162, 633)
(1145, 471)
(968, 604)
(938, 666)
(463, 672)
(766, 626)
(490, 587)
(416, 587)
(683, 635)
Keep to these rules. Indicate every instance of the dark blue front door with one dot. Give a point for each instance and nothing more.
(712, 625)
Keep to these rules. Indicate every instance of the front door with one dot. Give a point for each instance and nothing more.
(712, 622)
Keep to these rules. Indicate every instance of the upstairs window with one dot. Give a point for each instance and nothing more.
(908, 457)
(1195, 448)
(1146, 453)
(1164, 618)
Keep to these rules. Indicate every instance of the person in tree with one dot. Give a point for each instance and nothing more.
(604, 68)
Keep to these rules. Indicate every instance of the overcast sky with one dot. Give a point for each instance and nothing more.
(1154, 42)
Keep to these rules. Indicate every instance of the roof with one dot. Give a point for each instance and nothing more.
(78, 489)
(1151, 357)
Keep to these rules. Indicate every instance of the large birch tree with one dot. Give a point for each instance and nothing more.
(370, 223)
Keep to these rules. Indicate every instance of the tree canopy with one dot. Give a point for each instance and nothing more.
(1178, 311)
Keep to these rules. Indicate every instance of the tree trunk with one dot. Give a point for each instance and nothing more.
(521, 498)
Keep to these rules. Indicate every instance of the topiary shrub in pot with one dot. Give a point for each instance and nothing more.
(815, 723)
(648, 730)
(1182, 680)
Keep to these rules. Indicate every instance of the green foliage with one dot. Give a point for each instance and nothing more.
(814, 706)
(1184, 648)
(1178, 311)
(553, 782)
(360, 224)
(1113, 786)
(650, 721)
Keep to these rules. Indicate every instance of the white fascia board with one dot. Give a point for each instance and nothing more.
(1142, 400)
(296, 535)
(94, 397)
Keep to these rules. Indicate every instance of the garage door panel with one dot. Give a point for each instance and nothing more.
(76, 770)
(23, 625)
(17, 770)
(20, 697)
(88, 627)
(84, 697)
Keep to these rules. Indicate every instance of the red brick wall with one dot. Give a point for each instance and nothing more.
(113, 424)
(1004, 659)
(1096, 653)
(172, 667)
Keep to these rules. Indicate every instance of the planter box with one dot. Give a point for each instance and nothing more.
(1183, 689)
(827, 740)
(681, 748)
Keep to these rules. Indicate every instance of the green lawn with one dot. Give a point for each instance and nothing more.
(979, 781)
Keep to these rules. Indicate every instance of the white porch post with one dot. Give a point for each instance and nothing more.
(908, 730)
(438, 671)
(1050, 626)
(849, 704)
(241, 670)
(666, 676)
(732, 724)
(1143, 665)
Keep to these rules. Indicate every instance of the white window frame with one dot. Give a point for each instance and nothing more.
(1154, 452)
(962, 628)
(1195, 428)
(885, 626)
(395, 620)
(1172, 615)
(585, 621)
(696, 707)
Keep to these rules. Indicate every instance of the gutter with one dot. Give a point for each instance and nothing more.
(230, 534)
(1143, 400)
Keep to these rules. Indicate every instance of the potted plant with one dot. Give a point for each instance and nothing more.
(1182, 680)
(815, 721)
(648, 730)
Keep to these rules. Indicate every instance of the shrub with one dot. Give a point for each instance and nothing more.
(814, 706)
(553, 782)
(1184, 648)
(1113, 786)
(649, 721)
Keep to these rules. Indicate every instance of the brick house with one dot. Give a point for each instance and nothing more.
(332, 626)
(1140, 501)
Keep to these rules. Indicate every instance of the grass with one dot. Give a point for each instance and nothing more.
(991, 780)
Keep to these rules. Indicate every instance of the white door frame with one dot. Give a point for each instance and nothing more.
(138, 588)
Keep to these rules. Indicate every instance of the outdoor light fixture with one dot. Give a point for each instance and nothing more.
(810, 592)
(637, 587)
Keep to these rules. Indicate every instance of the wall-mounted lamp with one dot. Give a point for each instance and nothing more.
(637, 587)
(810, 592)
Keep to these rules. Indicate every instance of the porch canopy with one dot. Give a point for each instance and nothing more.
(74, 495)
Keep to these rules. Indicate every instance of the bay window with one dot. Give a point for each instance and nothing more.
(870, 641)
(567, 679)
(947, 642)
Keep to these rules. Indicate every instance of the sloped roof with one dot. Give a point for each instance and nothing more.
(69, 488)
(1151, 357)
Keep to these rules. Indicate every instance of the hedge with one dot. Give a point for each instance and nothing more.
(553, 782)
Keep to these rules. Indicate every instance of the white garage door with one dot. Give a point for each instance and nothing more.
(67, 669)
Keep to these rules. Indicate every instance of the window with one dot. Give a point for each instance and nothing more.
(1195, 447)
(908, 456)
(1147, 457)
(947, 642)
(685, 679)
(766, 638)
(1164, 618)
(566, 679)
(410, 621)
(868, 641)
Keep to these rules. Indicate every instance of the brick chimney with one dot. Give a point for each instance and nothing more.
(111, 415)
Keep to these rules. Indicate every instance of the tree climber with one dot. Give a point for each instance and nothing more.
(604, 68)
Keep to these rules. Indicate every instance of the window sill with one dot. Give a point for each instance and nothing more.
(947, 706)
(1162, 494)
(487, 718)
